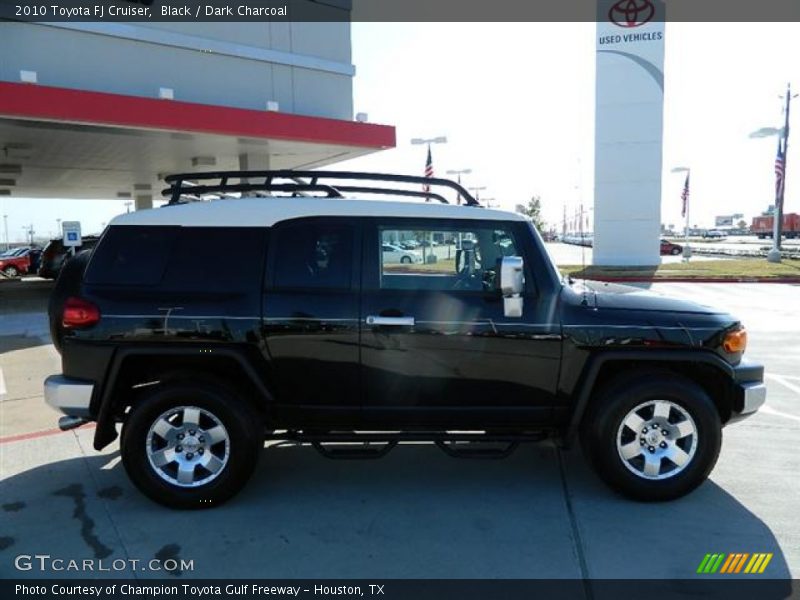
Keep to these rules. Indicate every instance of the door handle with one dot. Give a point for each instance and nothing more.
(391, 321)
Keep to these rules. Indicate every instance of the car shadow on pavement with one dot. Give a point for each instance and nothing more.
(414, 513)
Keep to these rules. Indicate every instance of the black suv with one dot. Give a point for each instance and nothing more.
(314, 334)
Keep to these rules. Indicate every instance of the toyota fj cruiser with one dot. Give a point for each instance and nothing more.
(312, 332)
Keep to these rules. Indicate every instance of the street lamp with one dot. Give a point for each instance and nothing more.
(477, 191)
(58, 227)
(774, 255)
(429, 163)
(687, 251)
(459, 172)
(435, 140)
(5, 225)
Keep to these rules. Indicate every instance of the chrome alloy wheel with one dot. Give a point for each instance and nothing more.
(657, 439)
(188, 446)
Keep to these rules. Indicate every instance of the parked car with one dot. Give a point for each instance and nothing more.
(669, 248)
(714, 233)
(396, 254)
(15, 264)
(55, 254)
(200, 358)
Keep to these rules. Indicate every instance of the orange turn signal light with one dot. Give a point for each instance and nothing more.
(735, 341)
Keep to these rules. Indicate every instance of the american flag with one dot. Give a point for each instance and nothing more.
(780, 171)
(685, 196)
(428, 170)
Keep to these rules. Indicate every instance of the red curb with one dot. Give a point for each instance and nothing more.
(38, 434)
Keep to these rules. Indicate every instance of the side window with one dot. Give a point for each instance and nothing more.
(460, 258)
(131, 255)
(313, 255)
(225, 258)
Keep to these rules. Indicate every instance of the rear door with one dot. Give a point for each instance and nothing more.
(437, 350)
(311, 319)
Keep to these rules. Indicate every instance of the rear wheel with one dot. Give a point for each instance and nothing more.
(652, 436)
(190, 444)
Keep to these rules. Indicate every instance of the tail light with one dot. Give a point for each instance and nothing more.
(79, 313)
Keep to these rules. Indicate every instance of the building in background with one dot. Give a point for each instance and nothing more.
(105, 110)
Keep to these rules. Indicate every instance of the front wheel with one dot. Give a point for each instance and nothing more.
(406, 260)
(191, 444)
(676, 251)
(652, 437)
(11, 271)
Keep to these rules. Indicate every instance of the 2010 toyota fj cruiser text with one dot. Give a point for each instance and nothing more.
(282, 310)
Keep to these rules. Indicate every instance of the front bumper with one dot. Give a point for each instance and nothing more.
(751, 391)
(68, 396)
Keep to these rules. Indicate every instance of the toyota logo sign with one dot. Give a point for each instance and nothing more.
(631, 13)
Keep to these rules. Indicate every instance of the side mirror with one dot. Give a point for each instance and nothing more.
(512, 284)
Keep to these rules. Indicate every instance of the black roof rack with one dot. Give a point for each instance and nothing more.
(196, 186)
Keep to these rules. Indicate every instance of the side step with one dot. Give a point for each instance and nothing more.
(349, 451)
(457, 449)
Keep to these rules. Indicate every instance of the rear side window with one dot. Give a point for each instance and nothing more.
(214, 258)
(181, 259)
(131, 256)
(313, 255)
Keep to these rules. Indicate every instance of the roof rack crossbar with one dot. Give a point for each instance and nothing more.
(177, 182)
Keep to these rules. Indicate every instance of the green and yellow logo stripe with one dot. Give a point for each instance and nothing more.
(735, 563)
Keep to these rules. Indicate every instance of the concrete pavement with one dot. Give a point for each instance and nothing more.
(417, 513)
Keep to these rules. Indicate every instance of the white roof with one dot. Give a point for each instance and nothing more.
(254, 211)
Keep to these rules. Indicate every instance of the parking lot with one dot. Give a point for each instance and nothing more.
(416, 513)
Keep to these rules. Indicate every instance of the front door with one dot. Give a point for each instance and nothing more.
(437, 350)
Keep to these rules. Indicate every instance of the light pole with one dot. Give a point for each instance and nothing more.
(58, 227)
(459, 172)
(128, 206)
(774, 255)
(477, 191)
(5, 226)
(429, 163)
(687, 251)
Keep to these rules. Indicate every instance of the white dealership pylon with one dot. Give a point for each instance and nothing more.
(628, 131)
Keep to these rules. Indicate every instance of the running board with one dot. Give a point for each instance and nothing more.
(377, 444)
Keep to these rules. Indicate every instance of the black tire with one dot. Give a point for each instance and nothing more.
(602, 424)
(11, 271)
(245, 440)
(675, 251)
(406, 260)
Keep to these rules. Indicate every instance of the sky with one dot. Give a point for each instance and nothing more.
(516, 103)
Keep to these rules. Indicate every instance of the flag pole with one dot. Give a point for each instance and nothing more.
(687, 250)
(774, 255)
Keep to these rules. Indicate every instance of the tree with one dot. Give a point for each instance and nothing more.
(533, 210)
(742, 224)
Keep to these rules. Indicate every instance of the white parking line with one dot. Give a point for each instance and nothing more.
(3, 390)
(780, 379)
(771, 411)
